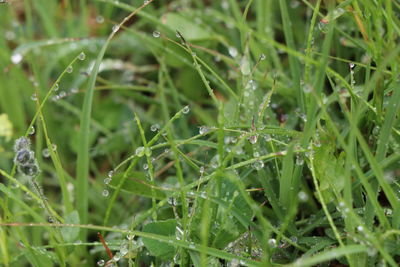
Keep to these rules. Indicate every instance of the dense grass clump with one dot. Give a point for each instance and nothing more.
(199, 133)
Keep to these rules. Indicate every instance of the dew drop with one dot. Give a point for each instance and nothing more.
(105, 193)
(139, 151)
(245, 66)
(115, 28)
(110, 174)
(323, 26)
(262, 57)
(46, 153)
(303, 197)
(253, 139)
(186, 110)
(154, 127)
(129, 236)
(156, 34)
(56, 87)
(201, 170)
(203, 129)
(307, 88)
(34, 97)
(360, 228)
(100, 19)
(145, 166)
(70, 69)
(299, 160)
(100, 263)
(16, 58)
(267, 137)
(258, 165)
(107, 181)
(117, 256)
(272, 242)
(215, 162)
(232, 51)
(351, 65)
(82, 56)
(31, 130)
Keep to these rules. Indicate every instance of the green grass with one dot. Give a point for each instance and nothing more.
(201, 133)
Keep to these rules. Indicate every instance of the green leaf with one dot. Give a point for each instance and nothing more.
(137, 184)
(329, 168)
(230, 228)
(157, 248)
(70, 234)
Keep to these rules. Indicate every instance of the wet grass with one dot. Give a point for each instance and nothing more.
(196, 133)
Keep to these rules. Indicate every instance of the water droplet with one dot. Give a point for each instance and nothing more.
(258, 165)
(46, 153)
(267, 137)
(232, 51)
(56, 87)
(299, 159)
(100, 263)
(16, 58)
(272, 242)
(100, 19)
(215, 162)
(110, 174)
(186, 110)
(262, 57)
(82, 56)
(194, 54)
(145, 166)
(139, 151)
(307, 88)
(360, 228)
(303, 117)
(9, 35)
(203, 129)
(70, 69)
(54, 147)
(351, 65)
(115, 28)
(117, 256)
(303, 197)
(371, 251)
(34, 97)
(154, 127)
(256, 154)
(24, 156)
(22, 143)
(156, 34)
(201, 170)
(31, 130)
(130, 236)
(123, 250)
(105, 193)
(253, 139)
(107, 180)
(323, 26)
(245, 66)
